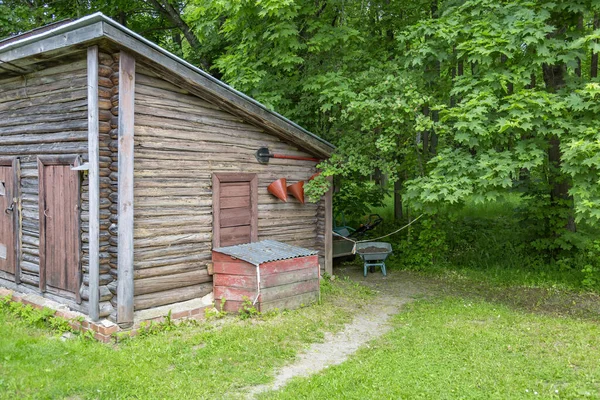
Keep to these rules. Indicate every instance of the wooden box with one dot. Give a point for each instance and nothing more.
(284, 284)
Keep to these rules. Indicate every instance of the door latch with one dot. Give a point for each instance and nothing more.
(11, 208)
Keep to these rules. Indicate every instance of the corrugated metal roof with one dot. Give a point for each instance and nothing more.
(265, 251)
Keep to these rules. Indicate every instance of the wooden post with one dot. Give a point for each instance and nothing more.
(329, 228)
(17, 215)
(94, 182)
(125, 176)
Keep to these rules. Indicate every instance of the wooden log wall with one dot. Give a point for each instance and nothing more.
(107, 277)
(180, 140)
(44, 113)
(113, 180)
(320, 243)
(108, 85)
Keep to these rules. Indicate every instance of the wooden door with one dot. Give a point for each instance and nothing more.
(59, 227)
(8, 209)
(235, 215)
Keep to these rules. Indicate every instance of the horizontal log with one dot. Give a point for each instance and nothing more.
(36, 80)
(180, 110)
(105, 294)
(78, 124)
(56, 71)
(32, 258)
(34, 139)
(51, 109)
(30, 267)
(45, 148)
(23, 121)
(173, 260)
(182, 183)
(170, 211)
(105, 279)
(168, 282)
(172, 201)
(64, 84)
(149, 300)
(151, 232)
(49, 98)
(106, 308)
(154, 253)
(173, 191)
(33, 280)
(170, 240)
(169, 270)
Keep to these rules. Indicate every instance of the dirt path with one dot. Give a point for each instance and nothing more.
(394, 291)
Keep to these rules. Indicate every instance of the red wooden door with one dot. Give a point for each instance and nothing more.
(234, 209)
(59, 228)
(236, 213)
(7, 227)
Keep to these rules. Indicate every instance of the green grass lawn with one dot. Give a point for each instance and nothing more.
(451, 348)
(205, 361)
(461, 342)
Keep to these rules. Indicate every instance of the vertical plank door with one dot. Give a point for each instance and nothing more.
(59, 228)
(7, 228)
(234, 209)
(235, 216)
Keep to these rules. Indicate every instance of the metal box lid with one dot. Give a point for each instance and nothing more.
(265, 251)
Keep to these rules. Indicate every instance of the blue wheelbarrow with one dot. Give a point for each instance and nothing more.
(374, 254)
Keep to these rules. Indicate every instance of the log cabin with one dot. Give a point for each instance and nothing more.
(122, 166)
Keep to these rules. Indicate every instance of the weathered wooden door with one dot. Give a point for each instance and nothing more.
(234, 209)
(59, 227)
(7, 219)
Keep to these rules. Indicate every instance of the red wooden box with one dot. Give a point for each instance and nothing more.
(284, 283)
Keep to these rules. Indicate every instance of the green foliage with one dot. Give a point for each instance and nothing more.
(213, 313)
(495, 242)
(591, 267)
(166, 324)
(43, 318)
(248, 310)
(423, 246)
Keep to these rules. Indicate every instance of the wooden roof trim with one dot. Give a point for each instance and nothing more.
(96, 26)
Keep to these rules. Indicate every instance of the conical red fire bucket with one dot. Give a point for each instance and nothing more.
(297, 190)
(278, 189)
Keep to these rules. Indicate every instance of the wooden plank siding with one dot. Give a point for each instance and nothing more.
(9, 211)
(42, 114)
(180, 141)
(59, 225)
(45, 113)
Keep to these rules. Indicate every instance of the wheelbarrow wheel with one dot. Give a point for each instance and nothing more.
(372, 268)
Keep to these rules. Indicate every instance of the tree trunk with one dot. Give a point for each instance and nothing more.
(173, 15)
(594, 61)
(398, 200)
(560, 200)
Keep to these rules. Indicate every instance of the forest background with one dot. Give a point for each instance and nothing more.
(480, 114)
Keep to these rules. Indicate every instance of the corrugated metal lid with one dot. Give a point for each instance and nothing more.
(265, 251)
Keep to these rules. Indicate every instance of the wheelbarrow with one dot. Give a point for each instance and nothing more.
(374, 254)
